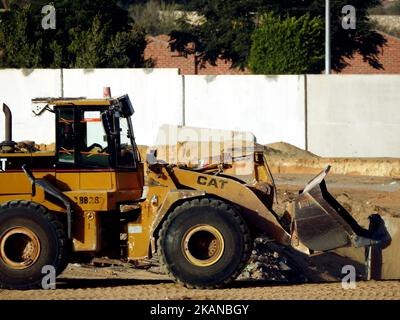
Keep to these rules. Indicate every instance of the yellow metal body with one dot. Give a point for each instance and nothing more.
(91, 193)
(103, 207)
(87, 232)
(170, 185)
(87, 196)
(95, 194)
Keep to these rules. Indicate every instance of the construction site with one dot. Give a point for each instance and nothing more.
(168, 186)
(196, 159)
(266, 276)
(128, 194)
(366, 188)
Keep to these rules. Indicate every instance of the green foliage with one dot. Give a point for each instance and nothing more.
(93, 48)
(287, 46)
(228, 28)
(17, 48)
(225, 32)
(155, 17)
(396, 7)
(89, 46)
(392, 9)
(88, 34)
(125, 49)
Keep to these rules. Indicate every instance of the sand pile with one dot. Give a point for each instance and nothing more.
(283, 158)
(286, 150)
(286, 158)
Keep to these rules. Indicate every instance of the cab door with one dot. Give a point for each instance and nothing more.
(67, 172)
(95, 156)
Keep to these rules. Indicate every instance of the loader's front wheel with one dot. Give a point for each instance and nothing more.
(204, 243)
(30, 238)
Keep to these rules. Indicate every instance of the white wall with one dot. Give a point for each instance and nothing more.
(271, 107)
(156, 94)
(354, 115)
(17, 88)
(347, 116)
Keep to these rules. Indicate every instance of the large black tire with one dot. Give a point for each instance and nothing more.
(65, 259)
(204, 243)
(24, 227)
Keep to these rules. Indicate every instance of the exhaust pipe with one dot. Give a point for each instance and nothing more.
(8, 122)
(7, 145)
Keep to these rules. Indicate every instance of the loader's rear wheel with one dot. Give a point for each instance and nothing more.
(204, 243)
(30, 238)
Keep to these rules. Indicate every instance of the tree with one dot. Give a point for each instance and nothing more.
(391, 9)
(17, 49)
(76, 21)
(287, 45)
(395, 9)
(229, 25)
(93, 48)
(155, 17)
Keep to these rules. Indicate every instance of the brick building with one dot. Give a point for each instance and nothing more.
(158, 49)
(389, 58)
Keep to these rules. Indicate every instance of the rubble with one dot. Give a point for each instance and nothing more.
(269, 265)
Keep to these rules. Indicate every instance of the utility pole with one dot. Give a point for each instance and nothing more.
(327, 37)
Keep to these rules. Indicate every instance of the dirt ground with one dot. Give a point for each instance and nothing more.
(84, 283)
(360, 195)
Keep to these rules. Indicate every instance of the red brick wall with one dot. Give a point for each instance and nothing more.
(158, 49)
(389, 58)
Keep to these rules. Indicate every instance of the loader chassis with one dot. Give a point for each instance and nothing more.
(88, 198)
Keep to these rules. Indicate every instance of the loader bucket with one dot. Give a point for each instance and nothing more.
(321, 223)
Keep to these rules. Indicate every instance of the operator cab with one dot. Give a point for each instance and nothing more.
(93, 133)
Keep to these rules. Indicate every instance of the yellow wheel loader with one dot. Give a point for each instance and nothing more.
(88, 199)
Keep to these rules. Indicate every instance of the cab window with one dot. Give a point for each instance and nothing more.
(125, 156)
(66, 148)
(94, 149)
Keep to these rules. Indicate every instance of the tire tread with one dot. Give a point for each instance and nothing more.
(205, 202)
(61, 261)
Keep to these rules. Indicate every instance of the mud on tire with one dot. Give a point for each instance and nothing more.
(30, 238)
(204, 243)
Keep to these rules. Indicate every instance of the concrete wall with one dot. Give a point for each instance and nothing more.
(271, 107)
(156, 94)
(340, 116)
(354, 115)
(17, 88)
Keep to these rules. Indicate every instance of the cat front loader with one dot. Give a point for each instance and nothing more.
(88, 198)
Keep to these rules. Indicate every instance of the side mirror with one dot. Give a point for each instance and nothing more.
(126, 106)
